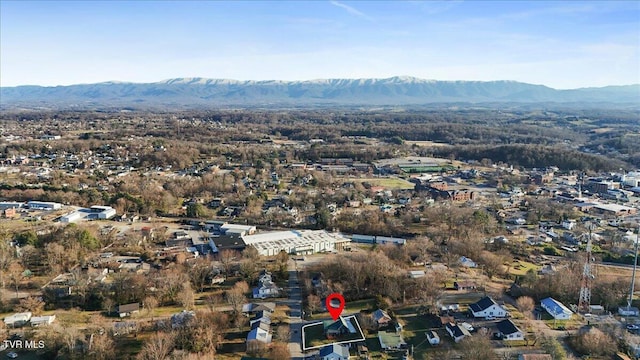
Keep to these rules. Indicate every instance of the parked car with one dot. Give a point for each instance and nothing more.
(12, 355)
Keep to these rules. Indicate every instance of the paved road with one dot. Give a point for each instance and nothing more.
(295, 305)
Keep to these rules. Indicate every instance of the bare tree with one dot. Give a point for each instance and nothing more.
(280, 351)
(100, 348)
(283, 333)
(71, 337)
(16, 274)
(493, 264)
(31, 304)
(236, 296)
(187, 297)
(313, 304)
(158, 347)
(594, 342)
(477, 347)
(150, 303)
(525, 304)
(203, 333)
(199, 271)
(108, 305)
(226, 257)
(7, 254)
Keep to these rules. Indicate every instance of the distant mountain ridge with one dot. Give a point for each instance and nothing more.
(399, 90)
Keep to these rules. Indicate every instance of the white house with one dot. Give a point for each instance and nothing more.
(17, 319)
(42, 320)
(334, 352)
(258, 335)
(466, 262)
(569, 224)
(509, 331)
(457, 332)
(266, 290)
(556, 309)
(433, 337)
(487, 307)
(266, 287)
(628, 311)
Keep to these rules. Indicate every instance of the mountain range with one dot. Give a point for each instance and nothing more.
(202, 93)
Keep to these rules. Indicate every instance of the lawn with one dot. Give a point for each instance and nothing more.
(571, 324)
(128, 346)
(350, 307)
(520, 268)
(74, 317)
(314, 336)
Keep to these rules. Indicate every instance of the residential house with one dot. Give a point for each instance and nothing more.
(464, 285)
(179, 320)
(255, 307)
(128, 309)
(266, 287)
(335, 329)
(257, 338)
(568, 224)
(334, 352)
(179, 238)
(509, 331)
(487, 307)
(362, 350)
(444, 320)
(433, 337)
(391, 341)
(628, 311)
(42, 320)
(261, 316)
(556, 309)
(466, 262)
(266, 290)
(381, 318)
(18, 319)
(124, 327)
(457, 332)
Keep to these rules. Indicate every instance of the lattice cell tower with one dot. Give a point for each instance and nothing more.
(587, 278)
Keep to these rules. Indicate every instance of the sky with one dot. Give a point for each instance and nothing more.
(564, 44)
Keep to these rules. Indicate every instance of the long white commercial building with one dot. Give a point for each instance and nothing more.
(296, 242)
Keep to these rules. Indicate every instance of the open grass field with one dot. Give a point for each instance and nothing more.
(519, 268)
(574, 323)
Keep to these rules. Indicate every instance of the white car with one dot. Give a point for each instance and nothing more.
(467, 326)
(490, 318)
(12, 355)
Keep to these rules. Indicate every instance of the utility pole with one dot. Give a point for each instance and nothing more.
(633, 275)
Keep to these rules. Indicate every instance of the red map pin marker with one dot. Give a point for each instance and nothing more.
(334, 311)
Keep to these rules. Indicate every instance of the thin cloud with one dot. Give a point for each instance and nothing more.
(351, 10)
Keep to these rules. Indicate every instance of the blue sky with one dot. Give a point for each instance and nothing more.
(564, 44)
